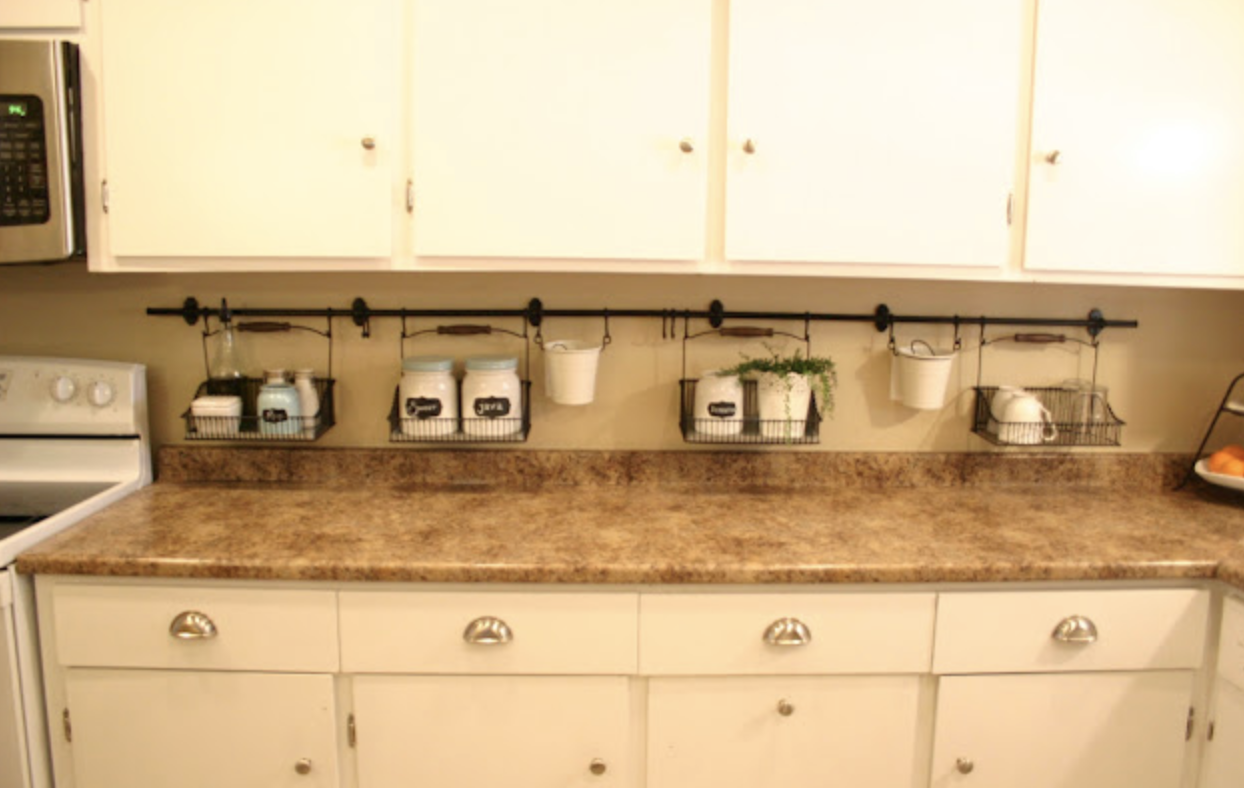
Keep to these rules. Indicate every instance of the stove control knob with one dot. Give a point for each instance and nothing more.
(101, 393)
(63, 388)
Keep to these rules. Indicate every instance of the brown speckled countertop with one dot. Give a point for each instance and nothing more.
(939, 528)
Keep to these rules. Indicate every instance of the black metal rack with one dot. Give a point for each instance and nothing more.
(250, 426)
(463, 428)
(1075, 417)
(1228, 406)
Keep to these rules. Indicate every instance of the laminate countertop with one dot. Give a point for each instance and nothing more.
(932, 531)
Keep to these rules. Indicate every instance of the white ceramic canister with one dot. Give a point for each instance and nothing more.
(308, 400)
(280, 412)
(718, 404)
(428, 397)
(492, 397)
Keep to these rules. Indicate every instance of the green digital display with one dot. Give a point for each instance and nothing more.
(16, 110)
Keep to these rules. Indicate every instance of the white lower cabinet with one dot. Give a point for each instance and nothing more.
(162, 728)
(512, 731)
(230, 684)
(1224, 754)
(1068, 730)
(784, 732)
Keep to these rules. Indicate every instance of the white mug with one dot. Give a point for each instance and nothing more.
(1025, 421)
(997, 405)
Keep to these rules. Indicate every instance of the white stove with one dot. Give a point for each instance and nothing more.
(73, 439)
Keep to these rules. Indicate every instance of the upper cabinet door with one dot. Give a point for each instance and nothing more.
(1137, 164)
(41, 13)
(250, 129)
(561, 129)
(872, 132)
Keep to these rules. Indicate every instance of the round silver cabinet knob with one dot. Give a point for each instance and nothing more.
(785, 708)
(192, 625)
(1075, 629)
(303, 766)
(749, 146)
(1053, 156)
(964, 765)
(686, 145)
(487, 631)
(369, 143)
(788, 632)
(597, 767)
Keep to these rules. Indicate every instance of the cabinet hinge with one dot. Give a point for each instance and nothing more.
(1010, 203)
(67, 725)
(103, 194)
(352, 737)
(1209, 734)
(410, 196)
(1191, 724)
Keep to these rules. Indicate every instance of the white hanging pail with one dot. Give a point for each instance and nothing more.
(919, 376)
(570, 371)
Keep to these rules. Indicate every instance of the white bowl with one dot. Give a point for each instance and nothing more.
(1220, 479)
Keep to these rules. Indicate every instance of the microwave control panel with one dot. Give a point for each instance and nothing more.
(24, 195)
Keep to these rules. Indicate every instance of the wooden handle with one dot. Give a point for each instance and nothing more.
(1040, 339)
(747, 331)
(463, 330)
(264, 327)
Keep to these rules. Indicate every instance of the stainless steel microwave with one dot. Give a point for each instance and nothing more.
(41, 194)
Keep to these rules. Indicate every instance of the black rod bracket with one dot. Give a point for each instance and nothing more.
(716, 313)
(360, 313)
(190, 311)
(882, 319)
(535, 312)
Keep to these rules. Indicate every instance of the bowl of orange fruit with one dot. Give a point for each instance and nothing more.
(1224, 467)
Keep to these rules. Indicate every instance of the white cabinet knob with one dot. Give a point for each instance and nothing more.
(63, 389)
(101, 393)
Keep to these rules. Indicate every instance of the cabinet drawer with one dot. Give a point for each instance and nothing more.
(131, 626)
(1008, 632)
(553, 633)
(1231, 644)
(724, 634)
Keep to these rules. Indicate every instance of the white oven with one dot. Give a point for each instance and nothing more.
(73, 439)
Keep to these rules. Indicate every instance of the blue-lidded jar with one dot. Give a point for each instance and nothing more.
(280, 411)
(492, 397)
(428, 397)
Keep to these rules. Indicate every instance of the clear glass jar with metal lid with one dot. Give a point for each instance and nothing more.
(428, 397)
(492, 397)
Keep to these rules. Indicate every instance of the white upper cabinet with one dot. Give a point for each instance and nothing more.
(41, 13)
(560, 129)
(876, 132)
(243, 129)
(1138, 117)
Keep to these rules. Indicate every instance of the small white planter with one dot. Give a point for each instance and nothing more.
(783, 405)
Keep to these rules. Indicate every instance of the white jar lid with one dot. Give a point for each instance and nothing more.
(491, 363)
(427, 364)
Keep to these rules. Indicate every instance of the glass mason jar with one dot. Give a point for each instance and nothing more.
(492, 397)
(428, 397)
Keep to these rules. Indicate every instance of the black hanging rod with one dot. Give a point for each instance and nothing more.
(881, 318)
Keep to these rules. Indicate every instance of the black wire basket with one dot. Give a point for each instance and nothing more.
(251, 425)
(1076, 419)
(748, 428)
(459, 429)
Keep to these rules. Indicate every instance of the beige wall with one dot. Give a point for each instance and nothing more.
(1164, 378)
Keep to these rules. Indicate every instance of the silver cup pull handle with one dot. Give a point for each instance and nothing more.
(1075, 629)
(788, 632)
(487, 631)
(192, 625)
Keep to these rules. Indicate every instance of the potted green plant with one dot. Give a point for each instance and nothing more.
(784, 389)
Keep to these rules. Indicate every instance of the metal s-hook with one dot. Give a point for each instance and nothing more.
(958, 339)
(604, 342)
(891, 344)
